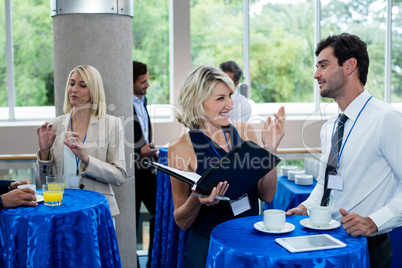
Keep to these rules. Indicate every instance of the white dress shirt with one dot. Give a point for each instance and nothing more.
(370, 164)
(142, 116)
(241, 108)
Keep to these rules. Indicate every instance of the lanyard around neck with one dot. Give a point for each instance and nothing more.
(213, 147)
(77, 160)
(347, 137)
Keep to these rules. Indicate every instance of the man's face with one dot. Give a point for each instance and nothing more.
(231, 75)
(141, 85)
(330, 76)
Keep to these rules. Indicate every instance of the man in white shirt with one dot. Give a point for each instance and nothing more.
(241, 108)
(365, 192)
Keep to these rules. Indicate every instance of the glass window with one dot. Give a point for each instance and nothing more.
(396, 78)
(282, 50)
(151, 46)
(3, 60)
(365, 18)
(216, 29)
(33, 53)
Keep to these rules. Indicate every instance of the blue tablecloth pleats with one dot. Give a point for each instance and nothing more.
(169, 239)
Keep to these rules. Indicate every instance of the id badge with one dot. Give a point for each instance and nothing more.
(335, 182)
(240, 205)
(73, 181)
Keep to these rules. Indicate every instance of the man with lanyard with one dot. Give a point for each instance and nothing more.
(360, 173)
(145, 180)
(241, 108)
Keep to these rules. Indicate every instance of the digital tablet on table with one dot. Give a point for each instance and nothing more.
(310, 243)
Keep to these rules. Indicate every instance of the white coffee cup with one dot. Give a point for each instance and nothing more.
(274, 219)
(320, 216)
(30, 186)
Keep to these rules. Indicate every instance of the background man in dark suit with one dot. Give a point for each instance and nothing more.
(145, 180)
(13, 197)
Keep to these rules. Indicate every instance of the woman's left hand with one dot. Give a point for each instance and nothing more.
(219, 190)
(74, 143)
(274, 130)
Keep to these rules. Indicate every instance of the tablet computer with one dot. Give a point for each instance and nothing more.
(310, 243)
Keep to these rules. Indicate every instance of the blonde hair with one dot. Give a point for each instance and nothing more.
(197, 87)
(93, 81)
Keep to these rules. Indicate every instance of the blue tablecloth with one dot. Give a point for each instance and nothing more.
(169, 239)
(289, 195)
(79, 233)
(237, 243)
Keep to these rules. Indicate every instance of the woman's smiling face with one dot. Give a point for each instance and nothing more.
(218, 106)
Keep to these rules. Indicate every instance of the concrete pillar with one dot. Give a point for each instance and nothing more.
(105, 42)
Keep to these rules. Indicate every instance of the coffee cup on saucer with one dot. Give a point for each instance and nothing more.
(274, 219)
(320, 216)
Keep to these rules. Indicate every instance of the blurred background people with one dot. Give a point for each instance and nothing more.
(241, 107)
(145, 179)
(85, 144)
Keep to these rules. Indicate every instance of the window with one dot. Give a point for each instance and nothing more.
(281, 51)
(3, 60)
(367, 20)
(282, 46)
(216, 32)
(396, 78)
(151, 46)
(32, 53)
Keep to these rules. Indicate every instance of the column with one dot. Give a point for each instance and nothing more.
(101, 35)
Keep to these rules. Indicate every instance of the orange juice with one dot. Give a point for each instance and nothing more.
(52, 196)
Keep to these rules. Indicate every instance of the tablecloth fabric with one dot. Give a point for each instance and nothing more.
(79, 233)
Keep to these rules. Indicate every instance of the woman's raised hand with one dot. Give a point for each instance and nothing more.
(46, 139)
(75, 144)
(274, 130)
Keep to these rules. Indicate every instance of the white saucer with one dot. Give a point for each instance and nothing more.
(39, 198)
(260, 227)
(332, 225)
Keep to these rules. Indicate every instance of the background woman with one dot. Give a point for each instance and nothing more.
(206, 100)
(85, 144)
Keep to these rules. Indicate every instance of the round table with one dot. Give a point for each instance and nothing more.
(237, 243)
(79, 233)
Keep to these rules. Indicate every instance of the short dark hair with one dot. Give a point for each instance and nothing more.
(233, 67)
(139, 68)
(348, 46)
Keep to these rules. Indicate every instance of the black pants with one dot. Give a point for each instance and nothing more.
(380, 251)
(145, 190)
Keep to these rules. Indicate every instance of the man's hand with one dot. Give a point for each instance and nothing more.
(19, 197)
(148, 150)
(14, 185)
(299, 210)
(356, 225)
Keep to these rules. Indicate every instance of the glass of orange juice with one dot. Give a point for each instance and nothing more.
(53, 194)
